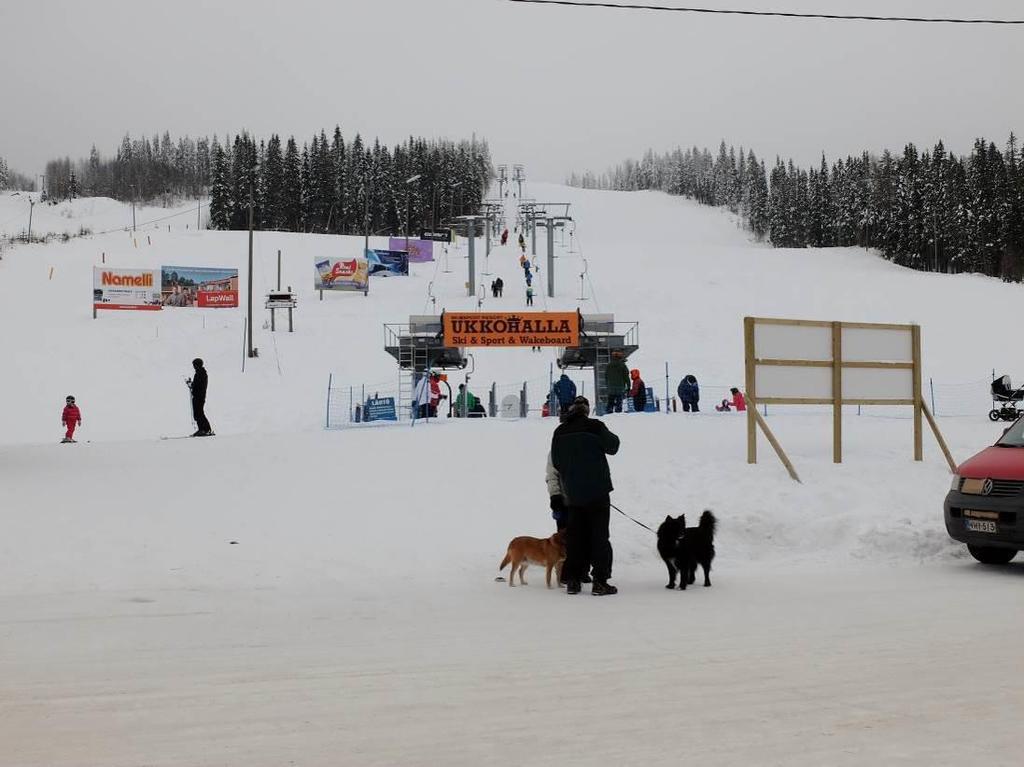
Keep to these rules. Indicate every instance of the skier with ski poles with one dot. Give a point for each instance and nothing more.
(197, 386)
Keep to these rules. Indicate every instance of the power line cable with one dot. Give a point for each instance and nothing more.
(778, 14)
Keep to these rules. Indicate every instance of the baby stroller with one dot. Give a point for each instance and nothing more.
(1004, 400)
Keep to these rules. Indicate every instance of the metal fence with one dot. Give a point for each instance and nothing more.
(346, 401)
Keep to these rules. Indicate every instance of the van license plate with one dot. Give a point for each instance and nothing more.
(980, 525)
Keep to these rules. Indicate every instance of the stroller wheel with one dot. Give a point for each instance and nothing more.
(994, 415)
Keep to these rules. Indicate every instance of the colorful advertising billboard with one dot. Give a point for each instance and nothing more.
(341, 274)
(125, 288)
(420, 251)
(385, 263)
(511, 329)
(199, 286)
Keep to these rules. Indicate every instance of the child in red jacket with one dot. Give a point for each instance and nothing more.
(739, 402)
(71, 417)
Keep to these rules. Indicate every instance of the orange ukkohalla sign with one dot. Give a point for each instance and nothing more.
(511, 329)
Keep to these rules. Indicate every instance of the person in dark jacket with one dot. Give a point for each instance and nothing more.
(616, 378)
(499, 285)
(689, 394)
(578, 450)
(197, 385)
(565, 392)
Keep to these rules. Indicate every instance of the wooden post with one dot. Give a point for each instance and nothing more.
(915, 338)
(752, 415)
(775, 444)
(837, 392)
(939, 439)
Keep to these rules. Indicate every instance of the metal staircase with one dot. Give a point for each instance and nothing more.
(413, 362)
(601, 360)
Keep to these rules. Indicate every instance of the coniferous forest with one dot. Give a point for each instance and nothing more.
(933, 211)
(326, 185)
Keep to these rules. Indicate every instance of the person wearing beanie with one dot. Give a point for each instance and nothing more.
(578, 449)
(197, 385)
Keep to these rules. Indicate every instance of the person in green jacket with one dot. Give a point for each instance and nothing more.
(616, 378)
(467, 405)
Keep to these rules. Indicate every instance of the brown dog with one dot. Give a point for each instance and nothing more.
(524, 550)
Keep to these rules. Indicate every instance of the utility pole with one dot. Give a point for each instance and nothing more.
(251, 352)
(408, 181)
(551, 258)
(31, 204)
(133, 215)
(471, 241)
(199, 215)
(366, 219)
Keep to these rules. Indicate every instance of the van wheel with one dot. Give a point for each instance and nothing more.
(990, 555)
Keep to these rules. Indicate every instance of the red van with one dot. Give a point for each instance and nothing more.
(985, 506)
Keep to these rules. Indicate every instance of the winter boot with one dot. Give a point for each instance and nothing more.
(572, 587)
(603, 588)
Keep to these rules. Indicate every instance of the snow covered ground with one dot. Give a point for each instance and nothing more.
(286, 595)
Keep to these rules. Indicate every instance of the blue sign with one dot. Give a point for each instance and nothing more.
(649, 405)
(380, 409)
(384, 263)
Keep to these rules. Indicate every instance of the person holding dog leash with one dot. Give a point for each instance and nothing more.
(578, 450)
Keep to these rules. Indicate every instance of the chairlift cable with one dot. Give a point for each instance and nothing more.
(777, 14)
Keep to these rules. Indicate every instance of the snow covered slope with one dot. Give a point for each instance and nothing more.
(281, 593)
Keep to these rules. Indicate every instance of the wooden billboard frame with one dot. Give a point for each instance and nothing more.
(837, 365)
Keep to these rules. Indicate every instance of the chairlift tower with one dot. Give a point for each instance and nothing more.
(502, 180)
(519, 176)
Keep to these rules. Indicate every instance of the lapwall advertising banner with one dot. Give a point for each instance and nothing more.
(137, 289)
(199, 286)
(511, 329)
(420, 251)
(341, 274)
(385, 263)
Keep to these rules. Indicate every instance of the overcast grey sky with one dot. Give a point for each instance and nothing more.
(554, 88)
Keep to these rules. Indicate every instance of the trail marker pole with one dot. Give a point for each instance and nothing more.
(666, 388)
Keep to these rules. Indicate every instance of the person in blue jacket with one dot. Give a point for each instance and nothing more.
(565, 392)
(689, 394)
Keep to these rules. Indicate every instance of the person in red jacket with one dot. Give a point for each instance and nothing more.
(738, 403)
(70, 418)
(637, 391)
(435, 394)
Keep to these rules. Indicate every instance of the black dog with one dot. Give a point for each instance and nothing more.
(682, 548)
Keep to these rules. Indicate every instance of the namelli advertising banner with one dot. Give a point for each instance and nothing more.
(420, 251)
(125, 288)
(199, 286)
(341, 274)
(511, 329)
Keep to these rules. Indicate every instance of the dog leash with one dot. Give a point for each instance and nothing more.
(645, 527)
